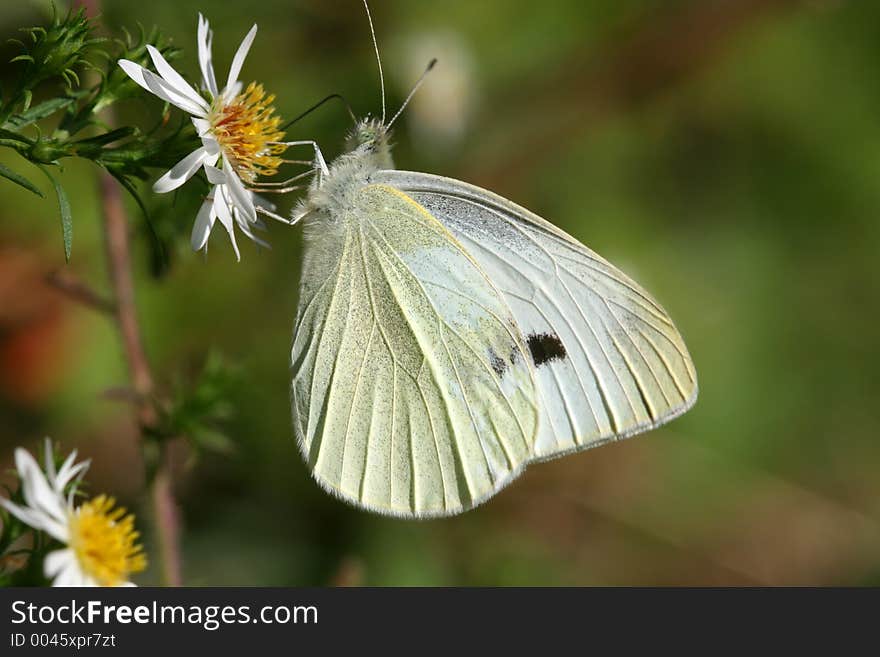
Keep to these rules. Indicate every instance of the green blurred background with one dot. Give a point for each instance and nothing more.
(726, 154)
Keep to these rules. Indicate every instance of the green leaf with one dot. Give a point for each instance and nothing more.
(198, 407)
(9, 135)
(39, 112)
(108, 137)
(212, 440)
(66, 216)
(93, 147)
(18, 179)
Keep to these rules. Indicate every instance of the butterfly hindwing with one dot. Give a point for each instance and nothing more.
(609, 362)
(412, 391)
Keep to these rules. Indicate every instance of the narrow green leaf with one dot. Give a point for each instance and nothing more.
(109, 137)
(16, 145)
(9, 135)
(18, 179)
(66, 216)
(71, 73)
(39, 112)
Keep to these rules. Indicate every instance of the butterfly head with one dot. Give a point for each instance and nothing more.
(367, 150)
(370, 139)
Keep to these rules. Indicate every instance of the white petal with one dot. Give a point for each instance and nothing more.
(203, 225)
(205, 39)
(50, 516)
(76, 472)
(57, 530)
(25, 463)
(215, 176)
(221, 207)
(69, 472)
(26, 515)
(175, 79)
(246, 229)
(240, 196)
(156, 85)
(212, 147)
(180, 172)
(64, 578)
(232, 91)
(38, 493)
(203, 126)
(57, 561)
(38, 520)
(238, 60)
(71, 575)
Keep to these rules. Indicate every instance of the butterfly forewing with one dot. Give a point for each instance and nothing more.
(609, 362)
(413, 393)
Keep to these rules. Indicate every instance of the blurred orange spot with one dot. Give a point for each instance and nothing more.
(34, 335)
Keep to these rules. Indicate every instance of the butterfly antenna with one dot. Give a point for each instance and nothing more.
(378, 59)
(319, 104)
(415, 88)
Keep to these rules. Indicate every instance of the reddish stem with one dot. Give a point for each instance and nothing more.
(116, 231)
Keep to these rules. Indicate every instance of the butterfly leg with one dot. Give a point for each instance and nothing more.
(319, 156)
(277, 217)
(283, 186)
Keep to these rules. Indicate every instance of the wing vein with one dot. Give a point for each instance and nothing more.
(497, 381)
(638, 349)
(681, 352)
(556, 268)
(578, 378)
(567, 244)
(354, 396)
(646, 403)
(315, 450)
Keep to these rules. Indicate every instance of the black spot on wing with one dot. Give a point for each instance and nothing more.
(497, 362)
(545, 347)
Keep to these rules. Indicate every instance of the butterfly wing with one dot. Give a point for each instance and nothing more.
(412, 392)
(609, 362)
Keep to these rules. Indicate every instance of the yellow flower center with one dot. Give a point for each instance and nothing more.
(245, 130)
(105, 541)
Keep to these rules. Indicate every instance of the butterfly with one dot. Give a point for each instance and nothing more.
(447, 337)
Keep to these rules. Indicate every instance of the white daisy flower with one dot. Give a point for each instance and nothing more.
(239, 130)
(101, 547)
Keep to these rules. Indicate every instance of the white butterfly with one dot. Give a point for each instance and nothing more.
(446, 337)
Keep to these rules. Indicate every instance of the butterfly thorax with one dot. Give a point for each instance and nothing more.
(368, 151)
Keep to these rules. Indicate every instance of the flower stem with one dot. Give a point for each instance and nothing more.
(119, 264)
(116, 233)
(168, 520)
